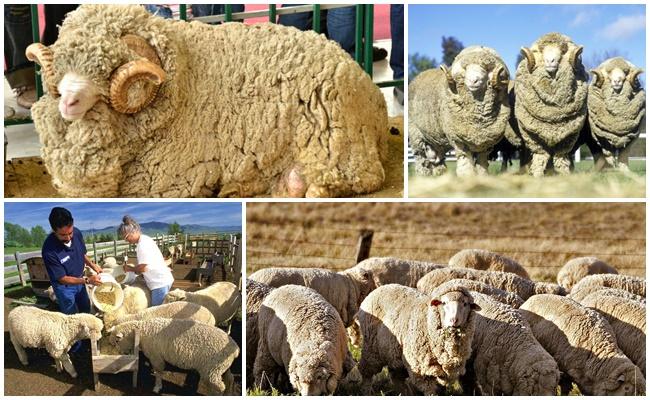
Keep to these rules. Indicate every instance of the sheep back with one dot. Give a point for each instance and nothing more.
(486, 261)
(222, 299)
(577, 268)
(632, 284)
(507, 281)
(176, 310)
(499, 295)
(387, 270)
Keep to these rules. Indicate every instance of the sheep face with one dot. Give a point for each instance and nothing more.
(318, 383)
(617, 78)
(626, 382)
(310, 372)
(122, 339)
(475, 78)
(617, 72)
(454, 308)
(552, 51)
(552, 56)
(91, 327)
(476, 67)
(175, 295)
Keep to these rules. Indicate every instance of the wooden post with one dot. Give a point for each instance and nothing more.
(115, 247)
(95, 251)
(20, 272)
(185, 244)
(363, 247)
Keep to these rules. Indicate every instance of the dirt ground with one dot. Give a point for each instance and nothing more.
(40, 376)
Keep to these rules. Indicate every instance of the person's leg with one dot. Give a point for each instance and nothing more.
(81, 299)
(158, 295)
(397, 36)
(158, 10)
(18, 35)
(65, 295)
(54, 15)
(340, 27)
(302, 21)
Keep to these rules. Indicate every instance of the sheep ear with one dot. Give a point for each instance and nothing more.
(530, 59)
(435, 302)
(475, 307)
(598, 77)
(621, 378)
(119, 336)
(451, 83)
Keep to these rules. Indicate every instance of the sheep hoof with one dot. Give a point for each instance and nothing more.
(316, 191)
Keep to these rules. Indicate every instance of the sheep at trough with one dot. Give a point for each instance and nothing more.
(464, 108)
(616, 104)
(506, 357)
(628, 320)
(604, 291)
(255, 294)
(486, 261)
(632, 284)
(425, 338)
(185, 344)
(584, 346)
(222, 299)
(56, 332)
(577, 268)
(131, 110)
(499, 295)
(301, 335)
(387, 270)
(137, 297)
(176, 310)
(507, 281)
(551, 101)
(344, 290)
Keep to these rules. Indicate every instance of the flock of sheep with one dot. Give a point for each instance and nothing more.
(183, 332)
(479, 322)
(547, 112)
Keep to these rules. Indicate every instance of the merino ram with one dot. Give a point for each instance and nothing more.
(551, 101)
(616, 104)
(132, 111)
(465, 109)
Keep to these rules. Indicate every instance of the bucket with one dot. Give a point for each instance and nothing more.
(107, 296)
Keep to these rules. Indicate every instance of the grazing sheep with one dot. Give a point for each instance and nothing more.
(584, 346)
(428, 337)
(507, 281)
(56, 332)
(255, 294)
(499, 295)
(387, 270)
(185, 344)
(295, 116)
(176, 310)
(302, 335)
(506, 357)
(222, 299)
(576, 269)
(616, 104)
(628, 320)
(604, 291)
(344, 290)
(632, 284)
(551, 100)
(465, 108)
(486, 261)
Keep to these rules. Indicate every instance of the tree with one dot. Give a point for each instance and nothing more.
(174, 228)
(38, 235)
(419, 63)
(450, 49)
(18, 234)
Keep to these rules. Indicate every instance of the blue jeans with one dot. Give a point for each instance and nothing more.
(159, 10)
(72, 299)
(158, 295)
(397, 45)
(204, 10)
(340, 24)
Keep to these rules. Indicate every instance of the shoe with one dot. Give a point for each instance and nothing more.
(398, 92)
(378, 54)
(26, 96)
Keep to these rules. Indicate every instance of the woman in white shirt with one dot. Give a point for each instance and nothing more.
(151, 263)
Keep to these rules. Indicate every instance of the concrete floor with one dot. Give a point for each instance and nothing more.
(23, 139)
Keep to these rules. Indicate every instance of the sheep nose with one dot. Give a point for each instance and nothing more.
(71, 101)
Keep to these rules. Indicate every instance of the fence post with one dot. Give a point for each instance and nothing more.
(20, 272)
(95, 251)
(363, 247)
(115, 247)
(185, 244)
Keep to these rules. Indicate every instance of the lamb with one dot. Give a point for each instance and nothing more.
(255, 294)
(465, 108)
(185, 344)
(176, 310)
(550, 100)
(486, 261)
(506, 357)
(604, 291)
(302, 335)
(137, 297)
(387, 270)
(584, 346)
(56, 332)
(629, 283)
(577, 268)
(616, 103)
(428, 337)
(507, 281)
(499, 295)
(222, 299)
(627, 319)
(344, 290)
(295, 116)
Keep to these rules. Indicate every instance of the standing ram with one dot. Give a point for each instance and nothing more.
(465, 109)
(140, 106)
(551, 101)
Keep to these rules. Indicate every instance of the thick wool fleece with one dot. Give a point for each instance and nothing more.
(632, 284)
(486, 261)
(499, 295)
(604, 291)
(255, 294)
(577, 268)
(222, 299)
(177, 310)
(387, 270)
(244, 110)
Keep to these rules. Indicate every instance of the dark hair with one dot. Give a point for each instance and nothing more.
(59, 218)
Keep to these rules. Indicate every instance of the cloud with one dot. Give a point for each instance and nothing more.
(624, 27)
(583, 17)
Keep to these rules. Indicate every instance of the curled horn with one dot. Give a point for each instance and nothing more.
(598, 77)
(496, 80)
(530, 59)
(574, 55)
(450, 79)
(633, 77)
(42, 55)
(148, 68)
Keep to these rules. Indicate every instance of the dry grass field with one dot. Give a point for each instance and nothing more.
(541, 236)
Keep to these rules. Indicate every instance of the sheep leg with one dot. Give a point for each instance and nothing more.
(464, 163)
(599, 162)
(22, 355)
(243, 189)
(562, 164)
(158, 367)
(369, 366)
(538, 164)
(624, 158)
(483, 164)
(213, 384)
(67, 365)
(610, 160)
(425, 384)
(264, 367)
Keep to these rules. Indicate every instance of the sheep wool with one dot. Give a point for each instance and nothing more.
(486, 261)
(255, 294)
(604, 291)
(177, 310)
(584, 346)
(632, 284)
(576, 269)
(499, 295)
(295, 115)
(222, 299)
(465, 108)
(387, 270)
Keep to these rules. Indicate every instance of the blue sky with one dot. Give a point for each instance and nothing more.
(507, 27)
(100, 215)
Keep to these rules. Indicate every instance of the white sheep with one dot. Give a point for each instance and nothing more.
(176, 310)
(301, 335)
(577, 268)
(256, 292)
(222, 299)
(387, 270)
(486, 261)
(185, 344)
(499, 295)
(605, 291)
(429, 338)
(632, 284)
(56, 332)
(584, 346)
(137, 297)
